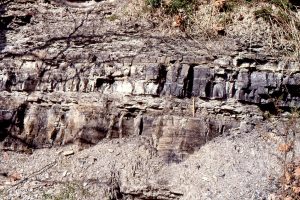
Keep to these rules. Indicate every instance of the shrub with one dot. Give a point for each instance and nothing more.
(176, 6)
(154, 3)
(266, 13)
(285, 4)
(173, 6)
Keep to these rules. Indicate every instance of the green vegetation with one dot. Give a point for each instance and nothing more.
(176, 6)
(280, 3)
(285, 4)
(229, 5)
(112, 17)
(154, 3)
(173, 6)
(70, 191)
(279, 16)
(218, 17)
(265, 13)
(285, 22)
(2, 194)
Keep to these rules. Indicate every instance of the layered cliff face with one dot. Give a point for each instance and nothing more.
(84, 78)
(72, 73)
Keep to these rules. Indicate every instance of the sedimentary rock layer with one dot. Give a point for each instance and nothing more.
(65, 79)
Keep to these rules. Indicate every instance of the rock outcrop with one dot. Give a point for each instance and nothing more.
(164, 117)
(66, 79)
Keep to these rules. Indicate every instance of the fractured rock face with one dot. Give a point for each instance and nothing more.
(43, 125)
(65, 80)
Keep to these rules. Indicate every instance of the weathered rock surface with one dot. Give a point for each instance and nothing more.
(74, 72)
(66, 79)
(242, 166)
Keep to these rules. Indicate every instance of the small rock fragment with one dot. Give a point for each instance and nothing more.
(68, 153)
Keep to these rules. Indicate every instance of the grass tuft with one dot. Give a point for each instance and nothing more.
(70, 191)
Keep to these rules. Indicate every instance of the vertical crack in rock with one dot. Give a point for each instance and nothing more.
(188, 82)
(18, 120)
(138, 124)
(14, 127)
(5, 122)
(10, 80)
(4, 22)
(53, 134)
(208, 89)
(110, 126)
(121, 124)
(162, 78)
